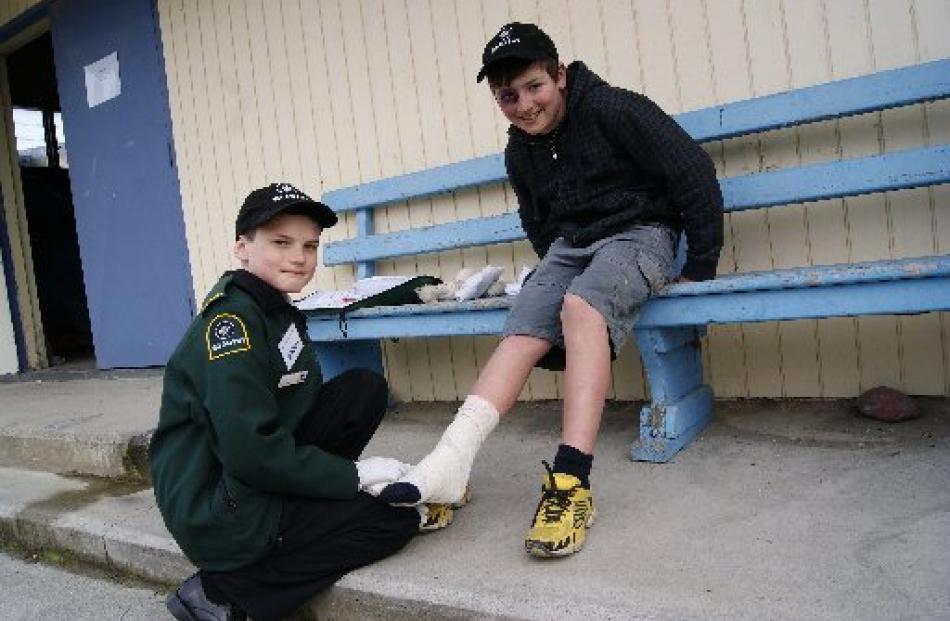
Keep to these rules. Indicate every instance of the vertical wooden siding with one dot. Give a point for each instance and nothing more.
(330, 93)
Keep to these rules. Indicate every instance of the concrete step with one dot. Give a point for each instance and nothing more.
(90, 423)
(116, 526)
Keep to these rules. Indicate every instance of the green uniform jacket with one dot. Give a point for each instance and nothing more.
(223, 455)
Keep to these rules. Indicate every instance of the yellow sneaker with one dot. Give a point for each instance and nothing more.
(437, 515)
(564, 514)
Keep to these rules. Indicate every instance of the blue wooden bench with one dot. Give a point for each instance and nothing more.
(669, 326)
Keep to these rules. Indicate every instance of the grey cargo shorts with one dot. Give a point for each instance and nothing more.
(614, 275)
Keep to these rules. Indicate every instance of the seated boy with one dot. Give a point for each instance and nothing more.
(605, 181)
(254, 461)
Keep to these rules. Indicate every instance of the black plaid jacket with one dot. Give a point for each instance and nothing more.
(616, 160)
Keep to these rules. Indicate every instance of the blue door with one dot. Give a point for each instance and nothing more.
(124, 179)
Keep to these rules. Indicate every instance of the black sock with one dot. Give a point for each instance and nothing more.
(570, 460)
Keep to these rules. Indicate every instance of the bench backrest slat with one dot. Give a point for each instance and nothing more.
(814, 182)
(876, 91)
(836, 179)
(437, 238)
(423, 184)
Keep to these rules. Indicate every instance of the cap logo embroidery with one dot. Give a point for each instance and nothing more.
(286, 192)
(226, 335)
(504, 39)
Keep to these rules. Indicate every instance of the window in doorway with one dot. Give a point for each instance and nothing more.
(40, 140)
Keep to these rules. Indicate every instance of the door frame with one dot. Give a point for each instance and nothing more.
(22, 294)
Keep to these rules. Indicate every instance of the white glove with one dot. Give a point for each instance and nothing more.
(375, 470)
(374, 489)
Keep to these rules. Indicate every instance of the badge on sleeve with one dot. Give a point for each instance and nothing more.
(226, 335)
(290, 346)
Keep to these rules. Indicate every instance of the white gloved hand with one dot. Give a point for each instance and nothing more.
(374, 489)
(375, 470)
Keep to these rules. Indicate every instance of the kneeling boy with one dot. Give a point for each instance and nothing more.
(254, 461)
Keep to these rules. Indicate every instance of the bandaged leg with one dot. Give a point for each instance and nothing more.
(442, 475)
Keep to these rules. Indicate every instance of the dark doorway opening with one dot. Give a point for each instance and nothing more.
(44, 169)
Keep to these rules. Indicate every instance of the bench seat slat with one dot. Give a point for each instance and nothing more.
(889, 297)
(472, 322)
(892, 297)
(876, 91)
(877, 173)
(767, 294)
(818, 276)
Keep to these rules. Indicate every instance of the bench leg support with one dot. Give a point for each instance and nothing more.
(681, 404)
(335, 357)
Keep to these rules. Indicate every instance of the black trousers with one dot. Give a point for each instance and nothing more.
(321, 540)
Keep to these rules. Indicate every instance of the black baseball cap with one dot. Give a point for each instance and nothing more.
(517, 40)
(263, 204)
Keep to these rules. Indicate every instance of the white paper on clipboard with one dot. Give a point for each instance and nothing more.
(360, 290)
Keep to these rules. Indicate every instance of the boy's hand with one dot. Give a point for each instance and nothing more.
(377, 472)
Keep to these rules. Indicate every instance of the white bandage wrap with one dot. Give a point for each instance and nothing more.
(442, 475)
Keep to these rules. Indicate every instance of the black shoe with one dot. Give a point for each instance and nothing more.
(189, 603)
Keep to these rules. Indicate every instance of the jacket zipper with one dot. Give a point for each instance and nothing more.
(228, 499)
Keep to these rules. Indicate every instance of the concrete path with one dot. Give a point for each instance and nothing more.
(786, 510)
(68, 595)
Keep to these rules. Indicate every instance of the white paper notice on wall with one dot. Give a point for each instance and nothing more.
(102, 80)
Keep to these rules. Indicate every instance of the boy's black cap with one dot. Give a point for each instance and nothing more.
(264, 203)
(517, 40)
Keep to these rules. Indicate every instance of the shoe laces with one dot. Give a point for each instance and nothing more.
(554, 501)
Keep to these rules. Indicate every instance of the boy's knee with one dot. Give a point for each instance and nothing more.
(520, 342)
(577, 312)
(370, 383)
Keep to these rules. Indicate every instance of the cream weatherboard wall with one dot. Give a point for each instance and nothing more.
(10, 9)
(8, 354)
(331, 93)
(8, 358)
